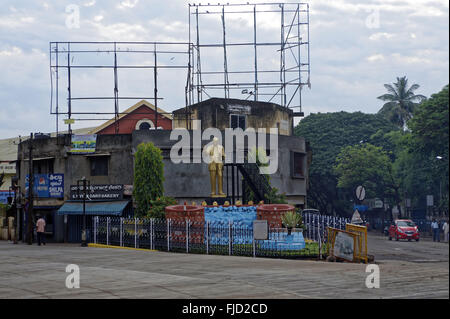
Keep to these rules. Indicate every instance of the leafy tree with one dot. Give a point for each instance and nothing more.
(401, 102)
(370, 166)
(428, 149)
(327, 134)
(158, 206)
(148, 177)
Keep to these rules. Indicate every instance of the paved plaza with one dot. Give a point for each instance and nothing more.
(407, 270)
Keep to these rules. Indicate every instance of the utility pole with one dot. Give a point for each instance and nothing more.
(86, 185)
(30, 191)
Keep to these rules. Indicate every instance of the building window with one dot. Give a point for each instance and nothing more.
(99, 166)
(145, 124)
(43, 166)
(297, 165)
(237, 120)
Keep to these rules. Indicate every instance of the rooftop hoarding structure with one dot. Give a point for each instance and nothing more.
(250, 51)
(247, 51)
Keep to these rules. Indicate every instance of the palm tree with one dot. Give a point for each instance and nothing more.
(401, 102)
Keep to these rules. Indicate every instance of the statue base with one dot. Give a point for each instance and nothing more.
(219, 200)
(218, 196)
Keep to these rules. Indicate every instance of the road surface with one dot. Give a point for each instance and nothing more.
(407, 270)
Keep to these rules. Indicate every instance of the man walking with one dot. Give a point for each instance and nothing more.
(445, 228)
(40, 229)
(435, 230)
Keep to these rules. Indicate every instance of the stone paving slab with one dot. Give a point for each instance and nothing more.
(39, 272)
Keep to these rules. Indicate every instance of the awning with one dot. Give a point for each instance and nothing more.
(114, 208)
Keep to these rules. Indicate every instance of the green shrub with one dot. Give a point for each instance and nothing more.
(157, 209)
(148, 177)
(291, 219)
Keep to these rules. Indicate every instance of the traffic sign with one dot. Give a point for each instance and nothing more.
(360, 192)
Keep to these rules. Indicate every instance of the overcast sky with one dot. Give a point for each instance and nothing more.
(356, 47)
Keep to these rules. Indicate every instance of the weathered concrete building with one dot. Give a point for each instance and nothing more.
(232, 113)
(112, 161)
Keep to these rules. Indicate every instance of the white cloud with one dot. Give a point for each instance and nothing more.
(98, 18)
(381, 36)
(375, 58)
(128, 4)
(89, 3)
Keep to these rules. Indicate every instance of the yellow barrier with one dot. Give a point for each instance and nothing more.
(342, 244)
(362, 240)
(351, 244)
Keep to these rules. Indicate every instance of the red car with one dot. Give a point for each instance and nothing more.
(404, 229)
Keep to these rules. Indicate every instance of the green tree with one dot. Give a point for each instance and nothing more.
(148, 177)
(428, 149)
(370, 166)
(401, 102)
(327, 134)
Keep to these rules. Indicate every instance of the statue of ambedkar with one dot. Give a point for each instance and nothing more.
(216, 154)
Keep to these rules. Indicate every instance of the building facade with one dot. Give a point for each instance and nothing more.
(110, 165)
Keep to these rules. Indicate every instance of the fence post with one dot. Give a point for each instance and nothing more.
(229, 238)
(168, 235)
(187, 235)
(207, 237)
(95, 229)
(313, 229)
(254, 247)
(107, 230)
(135, 232)
(151, 233)
(309, 226)
(320, 247)
(121, 231)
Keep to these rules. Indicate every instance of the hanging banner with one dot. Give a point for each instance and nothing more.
(83, 144)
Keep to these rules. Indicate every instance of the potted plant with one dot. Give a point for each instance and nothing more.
(291, 220)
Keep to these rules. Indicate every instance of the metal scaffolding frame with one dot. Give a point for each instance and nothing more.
(62, 55)
(293, 45)
(285, 82)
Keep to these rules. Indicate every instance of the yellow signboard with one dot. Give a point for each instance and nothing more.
(69, 121)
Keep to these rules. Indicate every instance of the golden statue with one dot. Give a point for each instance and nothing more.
(216, 153)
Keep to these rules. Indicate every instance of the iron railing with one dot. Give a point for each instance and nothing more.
(221, 238)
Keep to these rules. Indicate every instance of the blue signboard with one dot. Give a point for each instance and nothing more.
(47, 185)
(360, 208)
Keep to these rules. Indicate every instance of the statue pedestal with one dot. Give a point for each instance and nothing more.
(219, 200)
